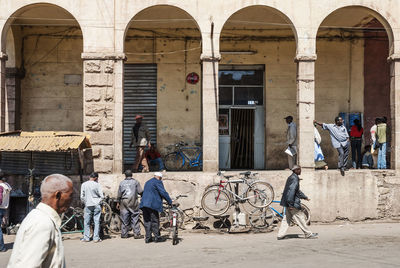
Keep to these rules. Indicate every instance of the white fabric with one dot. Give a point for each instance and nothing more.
(6, 195)
(158, 174)
(39, 242)
(317, 136)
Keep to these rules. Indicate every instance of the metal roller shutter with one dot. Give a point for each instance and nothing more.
(140, 97)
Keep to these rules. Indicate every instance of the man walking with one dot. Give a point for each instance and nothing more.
(91, 196)
(151, 205)
(141, 139)
(291, 202)
(128, 192)
(39, 241)
(291, 140)
(340, 141)
(5, 190)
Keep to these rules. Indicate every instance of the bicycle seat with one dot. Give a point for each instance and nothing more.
(247, 173)
(228, 176)
(200, 218)
(198, 144)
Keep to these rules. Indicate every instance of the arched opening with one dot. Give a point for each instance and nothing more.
(161, 80)
(44, 70)
(257, 89)
(353, 76)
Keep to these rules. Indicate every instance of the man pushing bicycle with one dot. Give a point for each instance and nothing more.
(291, 202)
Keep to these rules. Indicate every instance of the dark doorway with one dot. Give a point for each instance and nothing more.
(242, 139)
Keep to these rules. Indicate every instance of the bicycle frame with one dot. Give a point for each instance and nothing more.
(277, 212)
(237, 197)
(192, 162)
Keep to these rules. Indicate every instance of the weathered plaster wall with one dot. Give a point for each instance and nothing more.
(47, 101)
(178, 102)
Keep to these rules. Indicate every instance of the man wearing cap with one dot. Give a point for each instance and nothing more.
(151, 205)
(291, 202)
(291, 140)
(141, 139)
(128, 205)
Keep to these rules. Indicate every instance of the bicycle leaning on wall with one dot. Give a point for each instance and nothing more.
(180, 157)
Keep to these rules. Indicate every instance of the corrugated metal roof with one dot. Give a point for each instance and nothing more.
(43, 141)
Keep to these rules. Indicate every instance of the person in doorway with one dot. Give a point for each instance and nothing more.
(151, 205)
(91, 196)
(141, 139)
(318, 154)
(340, 141)
(368, 160)
(356, 134)
(39, 241)
(5, 190)
(381, 142)
(291, 140)
(154, 157)
(291, 202)
(128, 194)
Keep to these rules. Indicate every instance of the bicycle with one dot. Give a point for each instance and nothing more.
(217, 198)
(165, 215)
(265, 217)
(176, 160)
(174, 215)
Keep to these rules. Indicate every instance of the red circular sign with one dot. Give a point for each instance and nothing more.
(192, 78)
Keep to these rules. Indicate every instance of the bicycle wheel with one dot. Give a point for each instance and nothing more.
(114, 226)
(175, 235)
(261, 218)
(214, 202)
(68, 220)
(307, 213)
(260, 194)
(173, 161)
(165, 219)
(106, 212)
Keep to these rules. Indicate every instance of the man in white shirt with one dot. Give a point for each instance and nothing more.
(291, 140)
(91, 196)
(39, 242)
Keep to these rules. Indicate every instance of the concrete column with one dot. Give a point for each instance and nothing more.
(210, 112)
(305, 109)
(394, 60)
(3, 59)
(102, 86)
(13, 99)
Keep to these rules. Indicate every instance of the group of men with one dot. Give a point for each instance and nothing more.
(341, 139)
(39, 240)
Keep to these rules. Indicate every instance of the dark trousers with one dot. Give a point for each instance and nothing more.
(343, 155)
(151, 221)
(130, 220)
(356, 152)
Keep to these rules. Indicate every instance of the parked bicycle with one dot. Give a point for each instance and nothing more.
(218, 198)
(165, 216)
(261, 218)
(180, 157)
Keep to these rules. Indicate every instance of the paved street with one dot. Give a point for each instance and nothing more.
(346, 245)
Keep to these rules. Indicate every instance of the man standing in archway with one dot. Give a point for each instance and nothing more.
(141, 139)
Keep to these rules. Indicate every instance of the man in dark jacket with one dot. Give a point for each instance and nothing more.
(151, 205)
(291, 202)
(128, 192)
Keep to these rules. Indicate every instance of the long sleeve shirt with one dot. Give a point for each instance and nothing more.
(91, 193)
(128, 192)
(291, 135)
(339, 135)
(39, 242)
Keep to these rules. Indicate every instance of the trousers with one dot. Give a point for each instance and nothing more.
(140, 159)
(298, 217)
(356, 152)
(89, 212)
(382, 156)
(130, 220)
(2, 214)
(343, 155)
(151, 221)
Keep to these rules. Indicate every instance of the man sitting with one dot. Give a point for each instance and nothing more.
(367, 160)
(154, 157)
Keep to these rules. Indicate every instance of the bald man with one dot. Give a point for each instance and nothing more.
(38, 242)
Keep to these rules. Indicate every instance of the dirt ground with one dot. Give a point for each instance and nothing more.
(341, 245)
